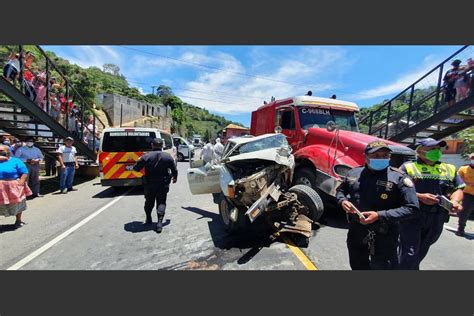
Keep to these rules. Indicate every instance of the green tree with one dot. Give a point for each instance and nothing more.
(207, 136)
(468, 137)
(164, 91)
(174, 102)
(111, 69)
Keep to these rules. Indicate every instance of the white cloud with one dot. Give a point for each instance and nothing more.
(291, 76)
(404, 81)
(97, 56)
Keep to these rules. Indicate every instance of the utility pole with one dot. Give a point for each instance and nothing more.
(153, 89)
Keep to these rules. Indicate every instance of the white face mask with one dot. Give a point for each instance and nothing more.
(472, 162)
(29, 144)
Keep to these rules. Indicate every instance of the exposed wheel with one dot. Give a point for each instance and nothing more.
(310, 199)
(224, 210)
(305, 176)
(180, 157)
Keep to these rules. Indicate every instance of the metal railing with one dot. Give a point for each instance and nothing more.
(37, 79)
(416, 103)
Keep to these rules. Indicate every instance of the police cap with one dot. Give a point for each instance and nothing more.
(375, 146)
(429, 142)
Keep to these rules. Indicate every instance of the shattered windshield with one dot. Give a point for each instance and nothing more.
(275, 141)
(319, 117)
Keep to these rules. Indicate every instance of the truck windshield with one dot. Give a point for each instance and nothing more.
(318, 117)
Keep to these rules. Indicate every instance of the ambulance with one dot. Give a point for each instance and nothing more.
(119, 150)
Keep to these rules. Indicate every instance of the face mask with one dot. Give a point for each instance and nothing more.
(434, 155)
(472, 162)
(29, 144)
(7, 142)
(378, 164)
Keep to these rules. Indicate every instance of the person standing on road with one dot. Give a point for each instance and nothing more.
(31, 156)
(160, 170)
(433, 179)
(218, 150)
(384, 196)
(13, 186)
(467, 175)
(68, 160)
(207, 153)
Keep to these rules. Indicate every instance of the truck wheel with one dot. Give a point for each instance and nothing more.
(306, 177)
(180, 157)
(310, 199)
(230, 226)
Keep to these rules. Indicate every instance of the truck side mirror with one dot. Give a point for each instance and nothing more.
(331, 126)
(278, 129)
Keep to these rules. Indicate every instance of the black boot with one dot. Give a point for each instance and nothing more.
(148, 219)
(460, 232)
(159, 225)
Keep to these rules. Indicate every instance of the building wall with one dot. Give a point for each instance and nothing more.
(134, 110)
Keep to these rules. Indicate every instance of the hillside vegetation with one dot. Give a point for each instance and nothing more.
(188, 119)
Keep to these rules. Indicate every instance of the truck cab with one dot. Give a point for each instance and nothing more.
(324, 136)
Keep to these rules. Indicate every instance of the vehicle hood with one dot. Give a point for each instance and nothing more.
(354, 140)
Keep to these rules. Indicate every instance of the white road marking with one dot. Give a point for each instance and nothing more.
(50, 244)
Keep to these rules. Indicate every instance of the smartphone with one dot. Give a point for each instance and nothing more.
(445, 203)
(353, 208)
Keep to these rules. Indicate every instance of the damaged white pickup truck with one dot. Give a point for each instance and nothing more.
(253, 181)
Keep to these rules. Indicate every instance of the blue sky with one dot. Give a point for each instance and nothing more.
(234, 80)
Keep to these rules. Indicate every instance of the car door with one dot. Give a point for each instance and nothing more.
(204, 179)
(168, 145)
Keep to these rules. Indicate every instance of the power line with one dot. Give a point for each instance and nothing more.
(236, 72)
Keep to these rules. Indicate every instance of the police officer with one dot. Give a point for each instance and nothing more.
(160, 169)
(384, 196)
(432, 178)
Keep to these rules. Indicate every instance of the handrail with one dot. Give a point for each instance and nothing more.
(364, 119)
(68, 82)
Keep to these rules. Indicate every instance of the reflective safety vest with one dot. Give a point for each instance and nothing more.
(440, 171)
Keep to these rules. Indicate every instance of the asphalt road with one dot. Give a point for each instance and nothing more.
(97, 228)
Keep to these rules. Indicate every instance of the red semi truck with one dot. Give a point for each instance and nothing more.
(324, 136)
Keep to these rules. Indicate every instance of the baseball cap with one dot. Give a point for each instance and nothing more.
(69, 138)
(376, 145)
(456, 62)
(429, 142)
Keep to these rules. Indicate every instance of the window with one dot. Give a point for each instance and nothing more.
(168, 142)
(128, 101)
(127, 141)
(287, 119)
(319, 117)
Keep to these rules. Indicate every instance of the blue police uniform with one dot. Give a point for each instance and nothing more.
(391, 194)
(418, 234)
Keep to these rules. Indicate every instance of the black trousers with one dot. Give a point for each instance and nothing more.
(155, 192)
(385, 255)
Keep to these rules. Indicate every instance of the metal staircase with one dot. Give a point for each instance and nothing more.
(22, 117)
(421, 110)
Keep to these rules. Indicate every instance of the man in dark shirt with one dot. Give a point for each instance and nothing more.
(384, 196)
(160, 169)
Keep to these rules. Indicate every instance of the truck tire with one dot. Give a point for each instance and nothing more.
(180, 157)
(305, 176)
(310, 199)
(230, 226)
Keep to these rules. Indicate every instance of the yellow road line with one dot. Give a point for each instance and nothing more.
(300, 255)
